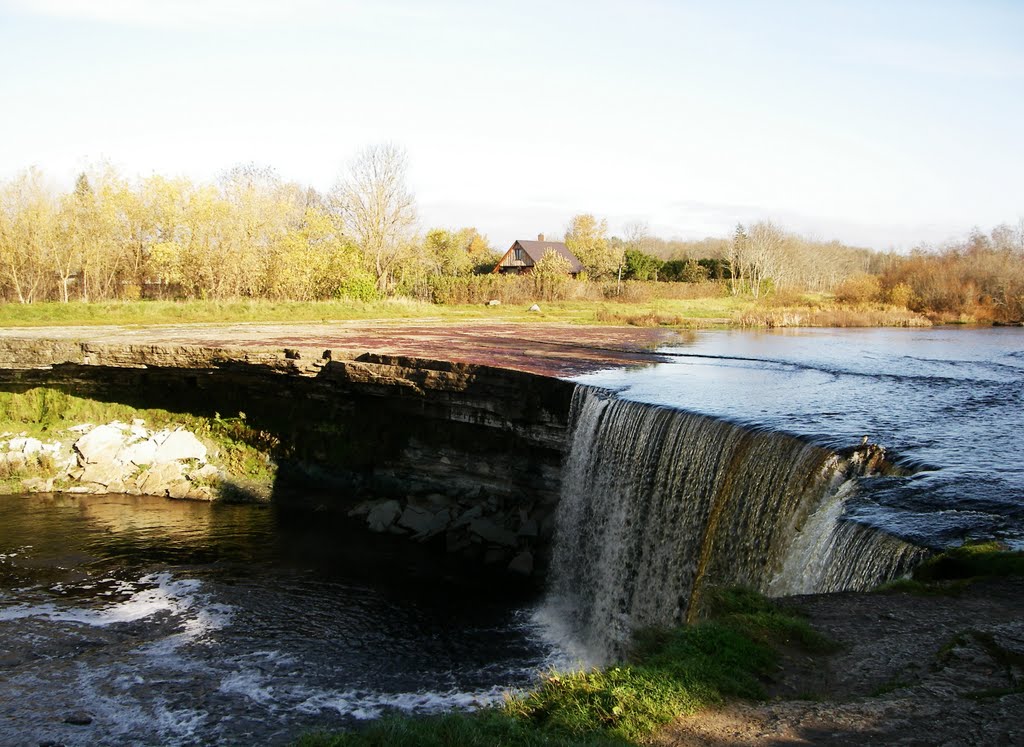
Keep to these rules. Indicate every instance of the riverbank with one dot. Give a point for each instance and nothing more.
(943, 665)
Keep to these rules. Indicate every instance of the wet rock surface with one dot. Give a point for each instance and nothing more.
(911, 670)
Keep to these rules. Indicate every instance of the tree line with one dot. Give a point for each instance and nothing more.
(251, 234)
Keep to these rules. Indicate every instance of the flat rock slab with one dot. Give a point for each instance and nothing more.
(560, 350)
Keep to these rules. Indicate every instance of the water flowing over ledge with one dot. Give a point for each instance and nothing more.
(657, 504)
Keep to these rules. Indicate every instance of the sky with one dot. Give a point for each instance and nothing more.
(881, 124)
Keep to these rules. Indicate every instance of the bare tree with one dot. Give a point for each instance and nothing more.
(378, 211)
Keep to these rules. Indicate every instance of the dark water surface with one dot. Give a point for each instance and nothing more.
(946, 402)
(177, 623)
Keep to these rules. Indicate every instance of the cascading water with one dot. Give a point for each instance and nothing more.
(658, 503)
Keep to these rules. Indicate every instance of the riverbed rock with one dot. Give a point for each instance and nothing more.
(522, 564)
(383, 516)
(491, 532)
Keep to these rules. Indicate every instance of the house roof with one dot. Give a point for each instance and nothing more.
(537, 249)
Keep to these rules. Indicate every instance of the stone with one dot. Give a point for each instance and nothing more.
(102, 473)
(491, 532)
(494, 302)
(416, 519)
(101, 444)
(529, 528)
(140, 453)
(439, 522)
(159, 478)
(179, 490)
(383, 515)
(199, 493)
(495, 556)
(179, 446)
(206, 472)
(78, 718)
(26, 445)
(467, 516)
(37, 485)
(535, 307)
(522, 564)
(116, 487)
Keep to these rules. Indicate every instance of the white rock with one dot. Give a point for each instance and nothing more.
(535, 307)
(139, 453)
(83, 428)
(178, 446)
(26, 445)
(161, 477)
(101, 444)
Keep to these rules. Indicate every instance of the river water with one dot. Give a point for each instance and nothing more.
(166, 622)
(173, 622)
(947, 403)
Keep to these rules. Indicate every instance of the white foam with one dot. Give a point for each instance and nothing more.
(366, 705)
(167, 595)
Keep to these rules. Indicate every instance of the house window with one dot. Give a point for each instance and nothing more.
(519, 255)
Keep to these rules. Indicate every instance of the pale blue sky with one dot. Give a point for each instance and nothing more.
(879, 123)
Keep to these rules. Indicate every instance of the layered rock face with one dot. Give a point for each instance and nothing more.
(416, 447)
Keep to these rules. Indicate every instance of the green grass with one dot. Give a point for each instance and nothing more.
(720, 310)
(972, 560)
(951, 572)
(244, 452)
(669, 673)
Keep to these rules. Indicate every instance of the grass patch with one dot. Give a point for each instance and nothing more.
(972, 560)
(670, 672)
(645, 305)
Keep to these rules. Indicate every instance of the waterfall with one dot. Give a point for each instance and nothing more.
(659, 503)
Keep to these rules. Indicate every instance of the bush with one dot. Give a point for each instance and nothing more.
(859, 289)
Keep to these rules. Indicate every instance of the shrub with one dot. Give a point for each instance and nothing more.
(859, 289)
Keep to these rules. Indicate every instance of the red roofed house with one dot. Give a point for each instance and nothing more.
(523, 255)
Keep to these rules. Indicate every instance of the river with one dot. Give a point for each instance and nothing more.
(164, 622)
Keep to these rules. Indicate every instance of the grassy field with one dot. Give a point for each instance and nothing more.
(718, 311)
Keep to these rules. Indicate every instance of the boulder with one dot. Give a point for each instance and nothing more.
(26, 445)
(522, 564)
(140, 453)
(383, 515)
(101, 444)
(529, 528)
(178, 446)
(535, 308)
(415, 519)
(160, 477)
(37, 485)
(488, 531)
(102, 473)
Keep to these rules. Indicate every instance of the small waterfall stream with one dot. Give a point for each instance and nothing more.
(659, 503)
